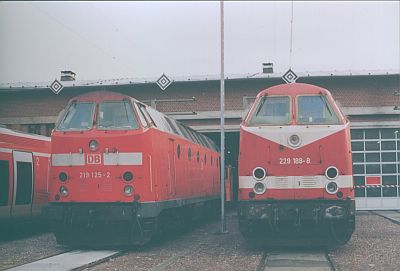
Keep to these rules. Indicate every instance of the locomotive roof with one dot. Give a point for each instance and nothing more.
(97, 96)
(293, 89)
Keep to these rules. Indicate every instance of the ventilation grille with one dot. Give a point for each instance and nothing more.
(280, 182)
(308, 182)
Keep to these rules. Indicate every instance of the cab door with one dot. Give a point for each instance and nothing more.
(23, 184)
(171, 168)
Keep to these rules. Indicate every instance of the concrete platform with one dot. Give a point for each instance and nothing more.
(67, 261)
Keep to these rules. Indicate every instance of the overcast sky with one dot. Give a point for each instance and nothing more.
(110, 40)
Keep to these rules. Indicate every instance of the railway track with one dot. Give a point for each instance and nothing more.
(302, 260)
(71, 260)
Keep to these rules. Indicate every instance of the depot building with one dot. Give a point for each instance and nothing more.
(371, 100)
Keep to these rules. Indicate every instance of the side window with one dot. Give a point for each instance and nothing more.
(172, 125)
(198, 156)
(178, 151)
(203, 140)
(183, 131)
(189, 154)
(193, 136)
(146, 114)
(205, 159)
(159, 119)
(141, 116)
(197, 138)
(190, 136)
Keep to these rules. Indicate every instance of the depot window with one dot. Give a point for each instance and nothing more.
(272, 110)
(79, 116)
(315, 109)
(116, 115)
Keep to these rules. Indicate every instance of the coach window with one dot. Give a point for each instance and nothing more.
(79, 116)
(116, 115)
(49, 128)
(142, 119)
(34, 129)
(315, 109)
(272, 110)
(189, 154)
(4, 182)
(198, 156)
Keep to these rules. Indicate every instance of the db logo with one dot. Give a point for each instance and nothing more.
(93, 159)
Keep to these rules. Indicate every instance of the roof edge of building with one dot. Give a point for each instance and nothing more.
(5, 87)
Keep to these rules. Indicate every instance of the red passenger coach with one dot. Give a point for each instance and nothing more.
(295, 167)
(24, 171)
(121, 171)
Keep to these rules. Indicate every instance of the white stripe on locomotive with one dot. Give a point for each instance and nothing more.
(296, 182)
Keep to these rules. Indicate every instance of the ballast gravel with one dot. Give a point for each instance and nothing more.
(375, 245)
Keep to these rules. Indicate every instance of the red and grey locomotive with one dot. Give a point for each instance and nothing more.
(122, 170)
(295, 168)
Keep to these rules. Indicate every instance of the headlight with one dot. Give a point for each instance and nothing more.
(64, 191)
(294, 140)
(128, 190)
(93, 145)
(331, 188)
(259, 173)
(63, 176)
(259, 188)
(128, 176)
(331, 173)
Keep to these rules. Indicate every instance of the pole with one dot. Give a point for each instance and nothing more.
(222, 86)
(291, 38)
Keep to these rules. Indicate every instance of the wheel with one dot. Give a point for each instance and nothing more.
(340, 232)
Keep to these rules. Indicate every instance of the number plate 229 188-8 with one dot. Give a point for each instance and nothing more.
(294, 161)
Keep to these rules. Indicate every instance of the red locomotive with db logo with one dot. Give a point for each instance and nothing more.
(121, 171)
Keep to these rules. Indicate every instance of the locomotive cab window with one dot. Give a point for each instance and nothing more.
(272, 110)
(315, 109)
(116, 115)
(79, 116)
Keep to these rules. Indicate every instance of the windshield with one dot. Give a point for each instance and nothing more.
(273, 110)
(116, 115)
(315, 110)
(79, 116)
